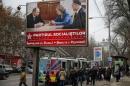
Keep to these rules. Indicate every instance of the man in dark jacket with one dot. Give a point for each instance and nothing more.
(34, 18)
(108, 74)
(81, 76)
(93, 75)
(79, 18)
(74, 77)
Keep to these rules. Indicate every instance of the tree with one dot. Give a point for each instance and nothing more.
(118, 15)
(10, 32)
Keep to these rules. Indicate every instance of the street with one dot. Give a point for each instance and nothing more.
(13, 80)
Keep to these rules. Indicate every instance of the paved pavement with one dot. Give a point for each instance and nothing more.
(13, 80)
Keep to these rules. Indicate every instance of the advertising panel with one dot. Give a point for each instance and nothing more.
(57, 23)
(97, 53)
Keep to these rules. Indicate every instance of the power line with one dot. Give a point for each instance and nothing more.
(100, 13)
(98, 8)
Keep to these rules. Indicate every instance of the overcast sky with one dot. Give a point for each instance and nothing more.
(97, 27)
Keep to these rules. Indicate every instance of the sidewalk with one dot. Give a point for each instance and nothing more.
(125, 81)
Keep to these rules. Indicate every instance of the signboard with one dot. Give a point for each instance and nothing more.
(55, 23)
(97, 53)
(109, 59)
(61, 38)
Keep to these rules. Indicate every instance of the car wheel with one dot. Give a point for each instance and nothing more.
(4, 77)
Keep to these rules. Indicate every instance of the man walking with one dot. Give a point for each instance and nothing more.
(23, 77)
(93, 75)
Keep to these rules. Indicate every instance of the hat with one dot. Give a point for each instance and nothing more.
(77, 2)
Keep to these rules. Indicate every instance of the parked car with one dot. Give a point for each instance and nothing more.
(16, 70)
(3, 74)
(30, 69)
(6, 68)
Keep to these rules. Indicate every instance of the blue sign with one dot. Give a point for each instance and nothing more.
(97, 53)
(110, 59)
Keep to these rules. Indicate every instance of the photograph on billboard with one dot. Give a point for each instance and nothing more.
(57, 23)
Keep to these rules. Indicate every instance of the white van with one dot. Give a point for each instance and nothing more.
(6, 68)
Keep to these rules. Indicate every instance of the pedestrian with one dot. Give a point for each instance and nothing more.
(53, 81)
(62, 77)
(87, 74)
(100, 73)
(80, 76)
(127, 69)
(23, 76)
(108, 75)
(74, 77)
(93, 75)
(44, 78)
(117, 72)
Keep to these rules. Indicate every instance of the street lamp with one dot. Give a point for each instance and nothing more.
(109, 32)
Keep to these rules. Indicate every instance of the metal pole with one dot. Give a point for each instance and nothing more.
(109, 39)
(35, 66)
(109, 36)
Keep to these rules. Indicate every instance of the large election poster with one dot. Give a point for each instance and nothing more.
(57, 23)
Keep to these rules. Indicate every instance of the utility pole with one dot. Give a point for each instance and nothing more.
(36, 66)
(109, 35)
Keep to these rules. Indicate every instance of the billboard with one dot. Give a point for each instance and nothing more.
(97, 53)
(57, 23)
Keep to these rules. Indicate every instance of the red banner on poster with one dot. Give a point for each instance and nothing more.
(57, 38)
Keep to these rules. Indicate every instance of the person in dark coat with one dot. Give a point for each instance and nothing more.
(81, 76)
(108, 74)
(93, 75)
(34, 18)
(79, 18)
(87, 74)
(127, 69)
(117, 72)
(100, 73)
(74, 77)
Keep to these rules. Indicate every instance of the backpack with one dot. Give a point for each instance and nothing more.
(62, 75)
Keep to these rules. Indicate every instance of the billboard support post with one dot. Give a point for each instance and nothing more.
(36, 66)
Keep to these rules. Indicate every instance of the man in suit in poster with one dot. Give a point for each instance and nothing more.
(34, 20)
(79, 18)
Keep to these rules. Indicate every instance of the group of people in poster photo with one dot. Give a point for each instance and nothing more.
(63, 19)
